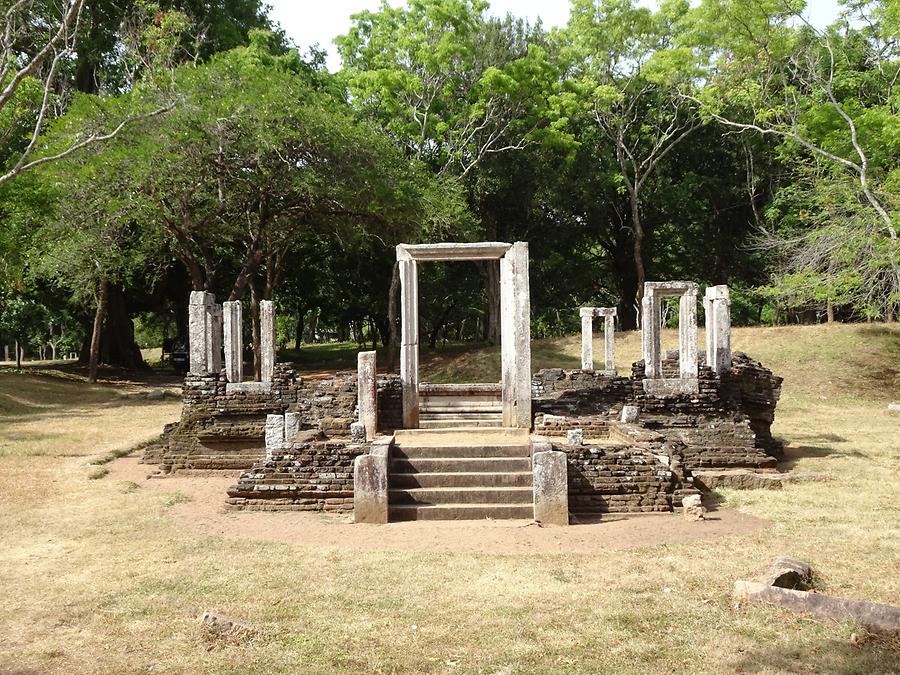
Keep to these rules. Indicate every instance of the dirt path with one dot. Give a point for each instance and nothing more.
(206, 514)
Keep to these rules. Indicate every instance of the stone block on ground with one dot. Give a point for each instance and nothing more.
(575, 437)
(787, 572)
(370, 485)
(876, 617)
(693, 508)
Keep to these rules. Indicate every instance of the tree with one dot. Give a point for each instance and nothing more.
(628, 67)
(829, 95)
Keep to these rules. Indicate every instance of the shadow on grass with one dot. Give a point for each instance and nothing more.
(794, 453)
(874, 655)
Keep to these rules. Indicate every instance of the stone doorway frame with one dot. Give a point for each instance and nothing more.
(515, 322)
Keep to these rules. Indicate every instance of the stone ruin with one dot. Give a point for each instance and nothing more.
(595, 442)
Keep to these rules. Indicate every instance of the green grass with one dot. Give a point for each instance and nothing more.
(100, 576)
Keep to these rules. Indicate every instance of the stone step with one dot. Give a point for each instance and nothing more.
(453, 451)
(461, 435)
(461, 464)
(460, 479)
(455, 422)
(462, 512)
(462, 416)
(462, 495)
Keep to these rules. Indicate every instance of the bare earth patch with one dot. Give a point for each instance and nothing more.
(205, 513)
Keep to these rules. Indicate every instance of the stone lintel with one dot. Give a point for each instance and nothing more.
(668, 289)
(484, 250)
(717, 292)
(587, 312)
(673, 386)
(248, 387)
(605, 311)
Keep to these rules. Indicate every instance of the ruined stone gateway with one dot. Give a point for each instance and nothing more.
(547, 445)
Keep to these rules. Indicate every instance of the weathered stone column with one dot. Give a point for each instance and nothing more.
(515, 336)
(234, 340)
(370, 485)
(717, 305)
(409, 339)
(587, 338)
(199, 331)
(367, 392)
(267, 339)
(551, 485)
(214, 345)
(650, 339)
(687, 334)
(609, 338)
(274, 434)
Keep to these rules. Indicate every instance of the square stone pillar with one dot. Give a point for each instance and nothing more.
(409, 341)
(274, 434)
(551, 487)
(267, 340)
(717, 306)
(515, 336)
(687, 334)
(650, 338)
(199, 331)
(234, 340)
(367, 392)
(587, 338)
(214, 345)
(609, 338)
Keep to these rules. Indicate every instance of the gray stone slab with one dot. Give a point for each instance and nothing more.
(248, 387)
(551, 488)
(671, 386)
(199, 331)
(587, 338)
(292, 423)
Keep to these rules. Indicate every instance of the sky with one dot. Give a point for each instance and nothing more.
(308, 22)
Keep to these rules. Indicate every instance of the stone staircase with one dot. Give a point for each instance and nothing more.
(468, 473)
(443, 406)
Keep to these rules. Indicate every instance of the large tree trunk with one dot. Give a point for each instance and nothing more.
(638, 251)
(829, 311)
(393, 346)
(298, 329)
(99, 317)
(18, 356)
(490, 272)
(117, 346)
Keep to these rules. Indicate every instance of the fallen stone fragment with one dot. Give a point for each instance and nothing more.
(630, 414)
(575, 437)
(742, 479)
(787, 572)
(894, 407)
(876, 617)
(693, 508)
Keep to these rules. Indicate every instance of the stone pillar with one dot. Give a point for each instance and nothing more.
(367, 392)
(687, 334)
(650, 339)
(717, 305)
(370, 485)
(587, 338)
(274, 434)
(199, 331)
(551, 487)
(409, 340)
(515, 336)
(234, 340)
(609, 338)
(267, 339)
(214, 345)
(292, 422)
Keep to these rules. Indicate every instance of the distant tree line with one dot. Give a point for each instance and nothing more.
(152, 148)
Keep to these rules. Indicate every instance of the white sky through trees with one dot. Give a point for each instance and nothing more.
(308, 22)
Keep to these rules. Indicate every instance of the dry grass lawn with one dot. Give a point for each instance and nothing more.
(97, 575)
